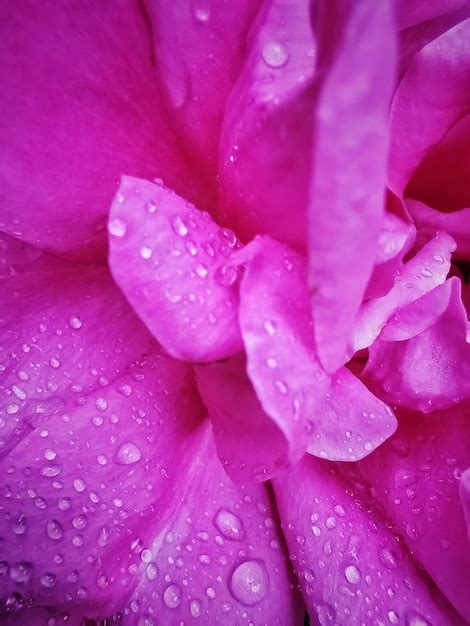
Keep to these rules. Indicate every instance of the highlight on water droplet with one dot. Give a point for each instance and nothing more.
(275, 54)
(117, 227)
(128, 453)
(249, 582)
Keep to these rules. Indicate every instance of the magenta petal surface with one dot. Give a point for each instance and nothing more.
(415, 476)
(266, 137)
(351, 568)
(421, 115)
(277, 333)
(432, 369)
(199, 50)
(424, 271)
(251, 445)
(411, 12)
(352, 422)
(213, 552)
(465, 496)
(348, 175)
(173, 264)
(70, 129)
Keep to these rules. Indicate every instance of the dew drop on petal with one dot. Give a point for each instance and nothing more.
(353, 575)
(117, 227)
(128, 453)
(275, 54)
(75, 322)
(54, 529)
(172, 596)
(229, 525)
(249, 582)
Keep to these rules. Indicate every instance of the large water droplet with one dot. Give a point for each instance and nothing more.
(249, 582)
(388, 558)
(128, 453)
(275, 54)
(75, 322)
(415, 619)
(195, 608)
(229, 525)
(172, 596)
(179, 226)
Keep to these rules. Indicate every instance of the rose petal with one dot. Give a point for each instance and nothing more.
(457, 224)
(351, 569)
(353, 421)
(277, 334)
(421, 115)
(266, 143)
(81, 486)
(432, 369)
(252, 447)
(199, 49)
(465, 496)
(351, 146)
(67, 332)
(214, 553)
(411, 12)
(172, 263)
(427, 269)
(65, 148)
(415, 476)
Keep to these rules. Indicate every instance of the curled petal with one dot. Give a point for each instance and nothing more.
(465, 497)
(431, 370)
(411, 12)
(172, 263)
(427, 269)
(349, 165)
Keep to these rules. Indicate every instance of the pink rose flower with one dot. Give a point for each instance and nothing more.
(235, 245)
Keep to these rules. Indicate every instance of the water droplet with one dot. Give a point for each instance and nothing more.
(54, 529)
(226, 275)
(281, 387)
(275, 54)
(48, 580)
(439, 259)
(117, 227)
(18, 525)
(415, 619)
(146, 252)
(426, 272)
(128, 453)
(270, 327)
(172, 596)
(249, 582)
(271, 363)
(353, 575)
(195, 608)
(78, 485)
(21, 572)
(75, 322)
(150, 207)
(151, 571)
(179, 226)
(229, 525)
(326, 615)
(201, 270)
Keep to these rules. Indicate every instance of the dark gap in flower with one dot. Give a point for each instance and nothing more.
(306, 620)
(464, 267)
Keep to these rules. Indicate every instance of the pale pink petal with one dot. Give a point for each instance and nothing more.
(351, 568)
(349, 164)
(252, 447)
(456, 223)
(465, 497)
(352, 422)
(277, 333)
(427, 269)
(212, 552)
(432, 369)
(411, 12)
(415, 477)
(173, 264)
(199, 50)
(267, 130)
(421, 115)
(80, 107)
